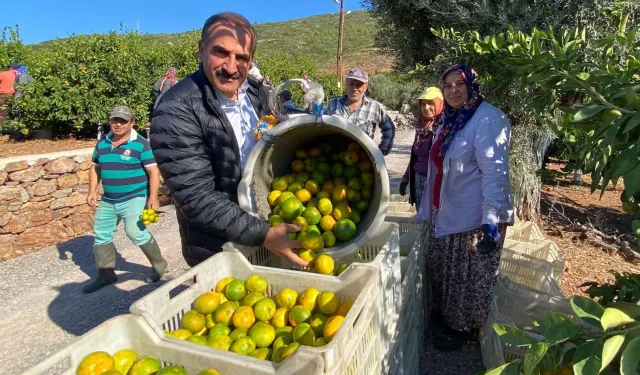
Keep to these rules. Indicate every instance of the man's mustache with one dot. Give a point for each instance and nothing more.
(221, 72)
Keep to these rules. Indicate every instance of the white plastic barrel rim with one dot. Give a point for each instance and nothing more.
(272, 158)
(313, 93)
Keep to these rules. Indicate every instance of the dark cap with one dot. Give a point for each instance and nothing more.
(121, 111)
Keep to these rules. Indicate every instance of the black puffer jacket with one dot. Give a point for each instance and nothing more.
(197, 153)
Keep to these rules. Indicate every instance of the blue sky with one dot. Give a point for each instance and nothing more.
(41, 20)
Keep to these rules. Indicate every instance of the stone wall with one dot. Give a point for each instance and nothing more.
(43, 202)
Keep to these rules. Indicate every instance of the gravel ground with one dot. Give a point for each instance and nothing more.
(44, 309)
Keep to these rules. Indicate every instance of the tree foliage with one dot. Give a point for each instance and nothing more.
(394, 90)
(589, 85)
(79, 79)
(404, 24)
(595, 339)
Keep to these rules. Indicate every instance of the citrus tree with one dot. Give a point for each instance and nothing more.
(11, 48)
(605, 340)
(586, 88)
(78, 80)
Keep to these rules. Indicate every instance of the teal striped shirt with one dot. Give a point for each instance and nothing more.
(122, 168)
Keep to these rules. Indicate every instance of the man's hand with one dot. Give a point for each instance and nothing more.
(403, 187)
(92, 199)
(153, 203)
(280, 244)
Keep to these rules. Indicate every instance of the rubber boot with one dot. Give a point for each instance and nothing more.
(105, 263)
(158, 263)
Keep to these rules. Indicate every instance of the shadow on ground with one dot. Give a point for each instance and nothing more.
(402, 150)
(80, 250)
(76, 312)
(553, 205)
(466, 361)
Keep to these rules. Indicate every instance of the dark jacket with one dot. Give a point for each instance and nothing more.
(417, 152)
(199, 159)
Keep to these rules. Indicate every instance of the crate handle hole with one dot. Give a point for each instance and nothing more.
(179, 289)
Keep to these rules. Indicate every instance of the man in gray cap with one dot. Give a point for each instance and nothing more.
(130, 179)
(364, 112)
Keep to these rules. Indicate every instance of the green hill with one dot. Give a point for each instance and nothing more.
(315, 37)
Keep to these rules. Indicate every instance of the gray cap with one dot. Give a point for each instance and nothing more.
(121, 111)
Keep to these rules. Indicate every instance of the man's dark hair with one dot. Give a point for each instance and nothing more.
(286, 95)
(230, 18)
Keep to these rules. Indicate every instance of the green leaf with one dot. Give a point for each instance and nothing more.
(613, 318)
(588, 358)
(630, 357)
(631, 36)
(512, 335)
(583, 76)
(533, 357)
(631, 309)
(558, 327)
(512, 368)
(610, 350)
(587, 309)
(588, 112)
(568, 356)
(552, 359)
(633, 123)
(623, 23)
(632, 181)
(624, 162)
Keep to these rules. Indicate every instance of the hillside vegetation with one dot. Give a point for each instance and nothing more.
(313, 37)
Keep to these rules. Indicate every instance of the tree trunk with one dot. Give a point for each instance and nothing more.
(528, 147)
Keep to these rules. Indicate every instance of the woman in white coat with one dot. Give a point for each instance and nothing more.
(467, 203)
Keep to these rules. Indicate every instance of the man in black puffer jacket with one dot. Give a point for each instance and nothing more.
(201, 136)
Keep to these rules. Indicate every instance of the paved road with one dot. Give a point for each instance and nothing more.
(44, 309)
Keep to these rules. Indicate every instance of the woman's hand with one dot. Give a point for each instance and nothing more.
(489, 241)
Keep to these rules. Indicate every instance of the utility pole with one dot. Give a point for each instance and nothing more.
(339, 70)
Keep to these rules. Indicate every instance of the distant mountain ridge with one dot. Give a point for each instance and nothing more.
(315, 37)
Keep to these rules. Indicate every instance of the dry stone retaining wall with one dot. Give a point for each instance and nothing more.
(43, 202)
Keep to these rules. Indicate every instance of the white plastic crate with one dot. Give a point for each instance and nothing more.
(525, 231)
(411, 322)
(495, 352)
(355, 349)
(392, 363)
(410, 243)
(545, 250)
(381, 252)
(530, 272)
(518, 306)
(404, 214)
(401, 207)
(133, 332)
